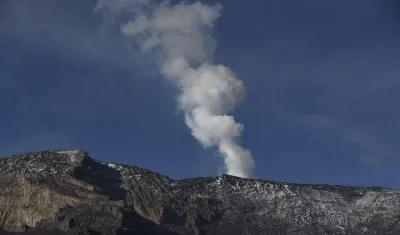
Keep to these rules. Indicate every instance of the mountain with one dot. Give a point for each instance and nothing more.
(67, 192)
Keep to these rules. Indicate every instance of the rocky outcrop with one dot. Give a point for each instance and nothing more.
(67, 192)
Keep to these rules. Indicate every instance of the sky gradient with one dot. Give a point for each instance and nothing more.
(322, 81)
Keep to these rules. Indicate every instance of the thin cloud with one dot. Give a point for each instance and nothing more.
(370, 149)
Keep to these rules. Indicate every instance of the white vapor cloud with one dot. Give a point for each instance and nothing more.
(181, 35)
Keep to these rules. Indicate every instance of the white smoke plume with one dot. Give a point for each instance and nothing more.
(181, 33)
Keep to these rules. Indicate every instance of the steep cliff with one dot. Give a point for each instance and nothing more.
(67, 192)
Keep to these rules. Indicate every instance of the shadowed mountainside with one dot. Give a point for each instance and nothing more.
(67, 192)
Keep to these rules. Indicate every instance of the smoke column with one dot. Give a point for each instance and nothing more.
(181, 34)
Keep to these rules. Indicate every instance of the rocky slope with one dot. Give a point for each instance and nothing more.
(67, 192)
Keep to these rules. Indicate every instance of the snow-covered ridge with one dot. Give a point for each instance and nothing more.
(64, 157)
(115, 166)
(57, 161)
(44, 162)
(68, 152)
(236, 199)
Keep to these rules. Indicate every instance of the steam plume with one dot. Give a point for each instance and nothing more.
(181, 33)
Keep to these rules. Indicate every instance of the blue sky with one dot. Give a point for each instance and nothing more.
(322, 81)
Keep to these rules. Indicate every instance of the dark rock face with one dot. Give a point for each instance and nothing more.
(67, 192)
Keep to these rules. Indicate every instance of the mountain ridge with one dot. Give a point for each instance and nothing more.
(68, 192)
(190, 178)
